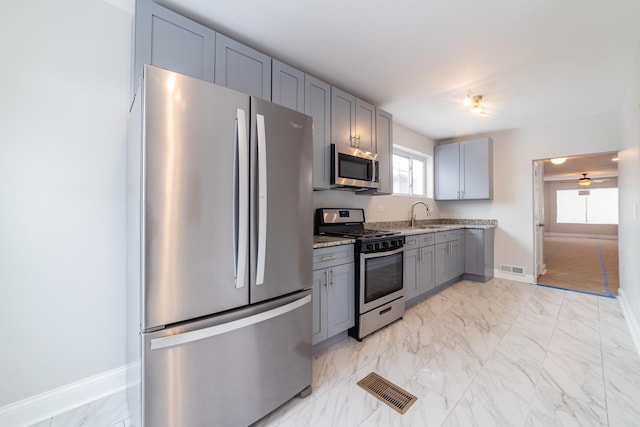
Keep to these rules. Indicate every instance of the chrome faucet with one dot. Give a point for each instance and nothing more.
(413, 216)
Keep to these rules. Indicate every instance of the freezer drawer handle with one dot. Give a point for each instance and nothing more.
(212, 331)
(242, 192)
(262, 198)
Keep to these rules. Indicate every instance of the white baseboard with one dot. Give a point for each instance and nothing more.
(632, 321)
(57, 401)
(525, 278)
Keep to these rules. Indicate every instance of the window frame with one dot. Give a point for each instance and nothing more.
(412, 155)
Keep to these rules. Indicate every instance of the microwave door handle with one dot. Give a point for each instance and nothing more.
(241, 191)
(262, 198)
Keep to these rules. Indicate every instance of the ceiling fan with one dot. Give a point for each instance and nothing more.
(584, 181)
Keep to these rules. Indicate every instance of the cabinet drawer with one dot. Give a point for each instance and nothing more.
(333, 255)
(419, 240)
(427, 239)
(448, 236)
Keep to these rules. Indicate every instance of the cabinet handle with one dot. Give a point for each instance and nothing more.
(326, 278)
(328, 258)
(331, 273)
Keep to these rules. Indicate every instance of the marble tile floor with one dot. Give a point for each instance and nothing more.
(501, 353)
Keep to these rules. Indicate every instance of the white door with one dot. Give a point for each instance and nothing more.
(538, 216)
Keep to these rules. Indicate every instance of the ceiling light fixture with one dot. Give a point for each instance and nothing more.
(475, 102)
(584, 180)
(615, 159)
(559, 160)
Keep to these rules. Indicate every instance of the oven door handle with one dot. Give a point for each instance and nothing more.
(381, 253)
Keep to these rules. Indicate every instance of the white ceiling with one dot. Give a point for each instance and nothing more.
(533, 61)
(594, 165)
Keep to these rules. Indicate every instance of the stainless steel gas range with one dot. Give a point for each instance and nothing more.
(379, 259)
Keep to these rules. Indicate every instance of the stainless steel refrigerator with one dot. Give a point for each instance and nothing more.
(219, 248)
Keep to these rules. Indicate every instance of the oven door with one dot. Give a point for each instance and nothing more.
(380, 278)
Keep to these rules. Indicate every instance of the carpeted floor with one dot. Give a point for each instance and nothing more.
(581, 264)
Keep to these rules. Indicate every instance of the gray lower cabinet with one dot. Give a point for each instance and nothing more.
(317, 104)
(287, 86)
(168, 40)
(464, 170)
(478, 254)
(242, 68)
(449, 255)
(419, 263)
(333, 292)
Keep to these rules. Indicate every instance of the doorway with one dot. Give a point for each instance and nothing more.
(576, 223)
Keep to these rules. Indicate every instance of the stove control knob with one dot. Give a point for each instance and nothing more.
(369, 246)
(376, 246)
(385, 244)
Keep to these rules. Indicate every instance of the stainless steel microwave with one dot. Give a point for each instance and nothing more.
(353, 167)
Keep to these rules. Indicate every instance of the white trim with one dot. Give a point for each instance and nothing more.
(526, 278)
(632, 322)
(582, 236)
(62, 399)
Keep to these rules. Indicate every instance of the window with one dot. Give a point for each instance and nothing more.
(593, 206)
(410, 170)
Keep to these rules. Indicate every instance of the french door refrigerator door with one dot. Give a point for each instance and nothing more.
(282, 217)
(195, 196)
(231, 369)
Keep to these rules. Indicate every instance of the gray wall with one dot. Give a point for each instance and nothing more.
(513, 155)
(65, 96)
(551, 210)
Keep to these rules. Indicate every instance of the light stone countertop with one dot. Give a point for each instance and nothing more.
(422, 227)
(327, 241)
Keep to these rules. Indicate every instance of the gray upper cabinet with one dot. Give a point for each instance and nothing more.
(365, 135)
(384, 148)
(476, 160)
(171, 41)
(464, 170)
(343, 117)
(317, 104)
(287, 86)
(242, 68)
(447, 171)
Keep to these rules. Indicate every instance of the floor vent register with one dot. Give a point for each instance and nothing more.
(387, 392)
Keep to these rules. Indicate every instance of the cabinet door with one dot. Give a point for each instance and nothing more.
(455, 260)
(343, 117)
(167, 40)
(242, 68)
(365, 126)
(476, 172)
(447, 171)
(341, 301)
(384, 148)
(473, 252)
(427, 271)
(440, 259)
(287, 86)
(411, 274)
(319, 302)
(317, 104)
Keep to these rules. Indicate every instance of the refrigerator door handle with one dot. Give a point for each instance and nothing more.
(187, 337)
(262, 198)
(241, 238)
